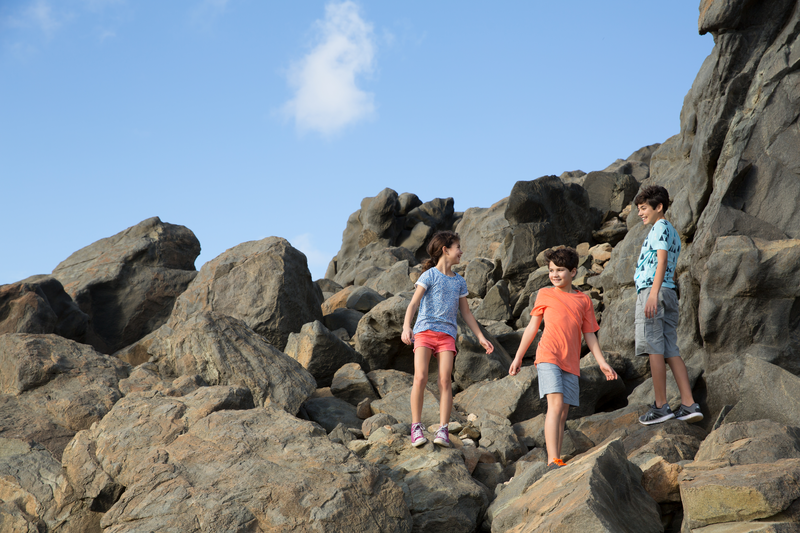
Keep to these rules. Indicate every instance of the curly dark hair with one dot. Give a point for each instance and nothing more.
(564, 257)
(652, 196)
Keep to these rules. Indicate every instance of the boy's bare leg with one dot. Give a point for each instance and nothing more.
(422, 357)
(553, 426)
(562, 423)
(446, 360)
(658, 370)
(678, 368)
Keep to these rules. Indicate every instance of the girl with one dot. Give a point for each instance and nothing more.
(439, 295)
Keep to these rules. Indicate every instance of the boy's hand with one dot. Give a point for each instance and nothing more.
(515, 367)
(486, 345)
(407, 336)
(608, 371)
(651, 306)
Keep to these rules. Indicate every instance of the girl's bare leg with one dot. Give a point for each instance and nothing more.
(422, 357)
(446, 360)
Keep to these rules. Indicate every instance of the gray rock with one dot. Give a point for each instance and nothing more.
(483, 231)
(346, 319)
(329, 412)
(756, 442)
(584, 496)
(496, 305)
(499, 438)
(514, 489)
(479, 276)
(391, 282)
(128, 283)
(398, 405)
(39, 305)
(265, 283)
(472, 363)
(387, 381)
(364, 298)
(351, 384)
(320, 352)
(376, 421)
(512, 397)
(377, 337)
(203, 460)
(610, 192)
(51, 388)
(328, 287)
(224, 351)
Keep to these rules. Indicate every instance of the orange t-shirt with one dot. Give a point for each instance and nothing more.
(566, 317)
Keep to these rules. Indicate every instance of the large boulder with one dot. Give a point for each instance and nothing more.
(610, 192)
(440, 493)
(483, 231)
(377, 337)
(584, 496)
(39, 304)
(320, 352)
(158, 464)
(541, 214)
(51, 387)
(128, 283)
(512, 397)
(265, 283)
(223, 350)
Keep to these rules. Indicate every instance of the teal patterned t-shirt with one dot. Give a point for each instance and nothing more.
(662, 236)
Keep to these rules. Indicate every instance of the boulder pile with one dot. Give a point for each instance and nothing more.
(138, 394)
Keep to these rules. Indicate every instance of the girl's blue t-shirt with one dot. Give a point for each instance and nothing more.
(438, 309)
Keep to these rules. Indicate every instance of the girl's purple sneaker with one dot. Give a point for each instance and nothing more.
(442, 437)
(417, 435)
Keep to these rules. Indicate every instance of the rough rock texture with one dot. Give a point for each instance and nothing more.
(610, 192)
(51, 387)
(377, 338)
(439, 491)
(39, 305)
(583, 496)
(351, 384)
(264, 283)
(320, 352)
(206, 462)
(225, 351)
(127, 284)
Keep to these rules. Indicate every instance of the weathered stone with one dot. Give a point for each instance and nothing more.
(393, 281)
(498, 437)
(39, 305)
(329, 412)
(203, 460)
(759, 441)
(51, 387)
(513, 489)
(472, 363)
(320, 352)
(496, 305)
(346, 319)
(584, 496)
(740, 384)
(438, 487)
(128, 283)
(328, 287)
(512, 397)
(398, 405)
(644, 394)
(741, 493)
(536, 280)
(265, 283)
(387, 381)
(351, 384)
(479, 276)
(364, 409)
(224, 351)
(378, 340)
(376, 257)
(660, 479)
(610, 192)
(376, 421)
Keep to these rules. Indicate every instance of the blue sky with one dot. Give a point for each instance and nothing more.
(242, 119)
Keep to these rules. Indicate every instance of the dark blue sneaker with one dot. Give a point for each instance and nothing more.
(656, 415)
(689, 414)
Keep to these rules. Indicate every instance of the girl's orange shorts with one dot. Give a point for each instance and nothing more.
(436, 341)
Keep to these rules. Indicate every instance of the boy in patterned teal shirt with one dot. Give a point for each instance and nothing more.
(657, 308)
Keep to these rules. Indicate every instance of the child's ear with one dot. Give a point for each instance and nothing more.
(574, 272)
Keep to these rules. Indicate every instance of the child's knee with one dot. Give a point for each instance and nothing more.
(420, 379)
(445, 385)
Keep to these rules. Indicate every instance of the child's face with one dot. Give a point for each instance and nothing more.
(453, 253)
(561, 277)
(648, 214)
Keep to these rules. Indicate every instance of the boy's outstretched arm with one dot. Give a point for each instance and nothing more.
(527, 338)
(408, 335)
(463, 306)
(594, 347)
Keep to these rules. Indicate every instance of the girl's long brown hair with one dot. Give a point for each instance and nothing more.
(440, 239)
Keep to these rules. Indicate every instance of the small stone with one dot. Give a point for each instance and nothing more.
(364, 409)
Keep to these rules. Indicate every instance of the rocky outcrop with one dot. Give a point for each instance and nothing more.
(223, 350)
(265, 283)
(51, 387)
(161, 463)
(320, 352)
(127, 284)
(40, 305)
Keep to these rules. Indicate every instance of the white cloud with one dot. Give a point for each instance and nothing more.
(326, 96)
(317, 259)
(41, 15)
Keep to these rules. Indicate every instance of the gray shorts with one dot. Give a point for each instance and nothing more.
(553, 379)
(658, 335)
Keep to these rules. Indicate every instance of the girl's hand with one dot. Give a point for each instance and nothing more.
(407, 336)
(486, 345)
(515, 367)
(608, 371)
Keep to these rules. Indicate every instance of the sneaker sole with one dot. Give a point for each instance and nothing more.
(694, 417)
(419, 443)
(657, 420)
(441, 442)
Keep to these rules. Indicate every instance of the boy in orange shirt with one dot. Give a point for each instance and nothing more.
(567, 313)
